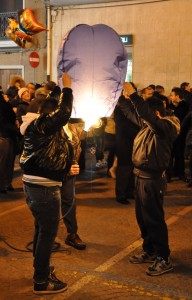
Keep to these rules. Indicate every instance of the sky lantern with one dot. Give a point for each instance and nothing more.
(96, 59)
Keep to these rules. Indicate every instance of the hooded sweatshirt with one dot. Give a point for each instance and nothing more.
(27, 119)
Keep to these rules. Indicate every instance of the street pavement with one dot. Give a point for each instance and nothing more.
(103, 270)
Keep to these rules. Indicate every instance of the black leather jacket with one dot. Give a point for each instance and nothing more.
(8, 128)
(153, 144)
(47, 149)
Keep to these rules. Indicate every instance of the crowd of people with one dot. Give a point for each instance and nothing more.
(147, 139)
(116, 138)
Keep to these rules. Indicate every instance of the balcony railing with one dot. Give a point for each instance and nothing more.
(4, 23)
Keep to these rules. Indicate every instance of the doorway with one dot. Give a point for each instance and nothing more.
(6, 72)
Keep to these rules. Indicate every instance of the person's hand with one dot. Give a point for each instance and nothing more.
(6, 98)
(128, 89)
(66, 80)
(74, 169)
(17, 123)
(125, 94)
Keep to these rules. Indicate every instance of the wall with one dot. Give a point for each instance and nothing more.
(162, 50)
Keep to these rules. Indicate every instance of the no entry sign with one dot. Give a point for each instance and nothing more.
(34, 59)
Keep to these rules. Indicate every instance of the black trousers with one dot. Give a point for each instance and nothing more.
(7, 158)
(177, 161)
(124, 186)
(68, 204)
(149, 194)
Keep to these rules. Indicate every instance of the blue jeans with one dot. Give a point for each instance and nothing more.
(68, 204)
(44, 203)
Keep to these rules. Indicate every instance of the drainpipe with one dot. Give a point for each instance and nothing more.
(49, 49)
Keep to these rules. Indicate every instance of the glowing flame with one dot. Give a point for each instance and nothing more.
(90, 110)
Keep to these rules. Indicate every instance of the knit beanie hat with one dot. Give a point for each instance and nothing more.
(21, 91)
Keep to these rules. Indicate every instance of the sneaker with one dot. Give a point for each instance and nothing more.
(74, 241)
(10, 188)
(189, 184)
(101, 164)
(3, 191)
(160, 266)
(51, 286)
(183, 178)
(123, 201)
(143, 257)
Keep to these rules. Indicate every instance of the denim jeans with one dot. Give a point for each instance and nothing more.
(68, 204)
(44, 203)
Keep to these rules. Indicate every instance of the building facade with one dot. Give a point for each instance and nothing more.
(14, 60)
(161, 29)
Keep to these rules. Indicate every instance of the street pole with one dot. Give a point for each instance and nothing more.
(48, 8)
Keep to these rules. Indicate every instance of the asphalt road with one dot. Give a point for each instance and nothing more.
(103, 270)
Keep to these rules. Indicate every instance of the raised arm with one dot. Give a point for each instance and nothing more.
(60, 117)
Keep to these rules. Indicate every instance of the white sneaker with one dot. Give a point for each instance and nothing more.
(101, 164)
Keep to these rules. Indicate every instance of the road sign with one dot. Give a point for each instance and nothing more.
(34, 59)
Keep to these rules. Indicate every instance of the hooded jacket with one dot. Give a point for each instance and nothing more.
(47, 150)
(153, 144)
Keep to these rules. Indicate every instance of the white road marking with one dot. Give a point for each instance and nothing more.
(111, 261)
(7, 212)
(115, 259)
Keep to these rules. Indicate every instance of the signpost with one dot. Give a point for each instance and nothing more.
(34, 59)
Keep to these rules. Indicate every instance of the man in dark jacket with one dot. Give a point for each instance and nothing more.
(151, 154)
(187, 95)
(46, 158)
(177, 161)
(126, 131)
(8, 133)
